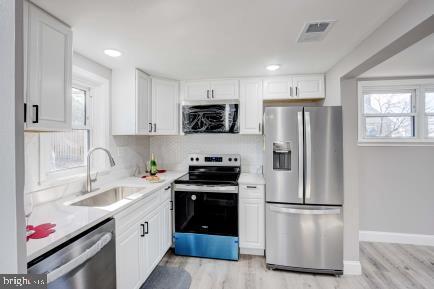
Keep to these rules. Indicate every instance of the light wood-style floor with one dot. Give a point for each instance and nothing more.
(384, 266)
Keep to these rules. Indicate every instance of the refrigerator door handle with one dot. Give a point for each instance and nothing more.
(300, 154)
(329, 211)
(308, 154)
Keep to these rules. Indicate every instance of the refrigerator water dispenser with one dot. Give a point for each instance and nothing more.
(282, 156)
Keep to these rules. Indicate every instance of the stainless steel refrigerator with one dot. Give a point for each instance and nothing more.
(304, 188)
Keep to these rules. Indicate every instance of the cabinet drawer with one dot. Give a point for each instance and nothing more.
(252, 191)
(129, 216)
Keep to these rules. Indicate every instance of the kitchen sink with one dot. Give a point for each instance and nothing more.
(108, 197)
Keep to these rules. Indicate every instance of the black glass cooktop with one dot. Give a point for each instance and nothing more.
(211, 176)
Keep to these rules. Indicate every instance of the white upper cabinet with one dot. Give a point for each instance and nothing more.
(278, 88)
(251, 106)
(143, 99)
(196, 90)
(48, 61)
(224, 89)
(309, 86)
(165, 106)
(294, 87)
(143, 105)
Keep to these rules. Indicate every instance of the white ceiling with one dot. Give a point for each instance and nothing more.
(417, 60)
(218, 38)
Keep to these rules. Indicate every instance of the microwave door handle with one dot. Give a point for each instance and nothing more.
(79, 260)
(300, 154)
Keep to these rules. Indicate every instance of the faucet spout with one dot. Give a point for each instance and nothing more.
(88, 177)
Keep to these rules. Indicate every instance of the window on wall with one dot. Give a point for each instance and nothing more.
(64, 153)
(396, 111)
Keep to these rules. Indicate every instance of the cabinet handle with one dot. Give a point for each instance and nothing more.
(36, 107)
(296, 91)
(251, 187)
(149, 127)
(25, 112)
(259, 127)
(147, 228)
(290, 91)
(143, 230)
(207, 93)
(155, 127)
(212, 93)
(171, 205)
(168, 188)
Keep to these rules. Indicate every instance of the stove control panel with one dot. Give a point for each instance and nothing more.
(232, 160)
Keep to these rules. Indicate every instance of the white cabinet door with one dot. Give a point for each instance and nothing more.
(309, 86)
(251, 106)
(152, 241)
(165, 106)
(252, 218)
(129, 252)
(143, 100)
(49, 69)
(167, 227)
(252, 223)
(196, 90)
(278, 88)
(224, 89)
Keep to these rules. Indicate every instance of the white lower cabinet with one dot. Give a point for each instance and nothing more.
(144, 234)
(167, 225)
(129, 249)
(252, 219)
(152, 240)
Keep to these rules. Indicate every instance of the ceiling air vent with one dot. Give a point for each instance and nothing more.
(315, 31)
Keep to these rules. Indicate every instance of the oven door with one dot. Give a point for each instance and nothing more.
(216, 118)
(211, 213)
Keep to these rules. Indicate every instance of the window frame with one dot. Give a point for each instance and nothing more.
(419, 86)
(46, 176)
(425, 89)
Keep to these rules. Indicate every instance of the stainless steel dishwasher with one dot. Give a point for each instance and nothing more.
(88, 261)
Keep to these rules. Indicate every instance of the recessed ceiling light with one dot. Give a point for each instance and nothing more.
(273, 67)
(112, 52)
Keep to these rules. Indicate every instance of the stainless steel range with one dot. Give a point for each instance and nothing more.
(206, 207)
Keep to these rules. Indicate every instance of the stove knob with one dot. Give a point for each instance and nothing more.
(235, 159)
(191, 159)
(230, 159)
(197, 159)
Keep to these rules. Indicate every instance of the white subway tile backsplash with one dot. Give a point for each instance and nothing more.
(171, 151)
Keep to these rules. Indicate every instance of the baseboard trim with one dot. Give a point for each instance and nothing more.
(250, 251)
(397, 238)
(352, 268)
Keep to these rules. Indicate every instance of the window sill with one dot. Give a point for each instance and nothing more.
(392, 143)
(60, 181)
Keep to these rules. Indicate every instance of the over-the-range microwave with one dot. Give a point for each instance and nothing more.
(210, 118)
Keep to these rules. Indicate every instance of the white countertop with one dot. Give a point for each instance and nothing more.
(251, 179)
(73, 220)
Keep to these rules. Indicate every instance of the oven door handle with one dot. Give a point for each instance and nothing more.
(79, 260)
(206, 189)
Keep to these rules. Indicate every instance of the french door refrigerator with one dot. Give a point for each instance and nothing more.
(304, 188)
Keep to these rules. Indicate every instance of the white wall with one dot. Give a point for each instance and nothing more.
(171, 151)
(127, 151)
(12, 241)
(396, 189)
(409, 16)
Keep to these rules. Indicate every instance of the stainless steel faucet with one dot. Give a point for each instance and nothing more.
(89, 180)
